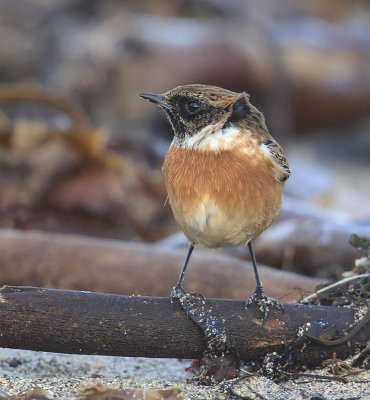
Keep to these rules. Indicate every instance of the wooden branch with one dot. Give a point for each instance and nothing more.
(106, 324)
(79, 263)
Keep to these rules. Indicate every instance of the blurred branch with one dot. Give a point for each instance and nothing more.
(76, 262)
(36, 93)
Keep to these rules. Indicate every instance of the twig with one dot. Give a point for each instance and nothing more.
(342, 282)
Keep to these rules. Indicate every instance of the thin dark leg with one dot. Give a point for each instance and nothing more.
(259, 287)
(259, 296)
(182, 274)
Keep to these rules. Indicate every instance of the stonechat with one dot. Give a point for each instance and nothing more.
(224, 172)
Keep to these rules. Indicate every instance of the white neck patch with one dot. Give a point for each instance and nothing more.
(213, 138)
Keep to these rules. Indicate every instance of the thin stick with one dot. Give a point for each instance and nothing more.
(333, 286)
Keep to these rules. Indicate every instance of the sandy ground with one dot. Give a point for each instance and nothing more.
(63, 374)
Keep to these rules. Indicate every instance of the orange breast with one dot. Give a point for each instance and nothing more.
(221, 199)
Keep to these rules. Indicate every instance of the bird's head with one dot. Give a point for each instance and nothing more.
(198, 111)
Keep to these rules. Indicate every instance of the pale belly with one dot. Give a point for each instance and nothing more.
(210, 226)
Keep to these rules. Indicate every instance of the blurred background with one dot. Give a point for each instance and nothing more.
(81, 153)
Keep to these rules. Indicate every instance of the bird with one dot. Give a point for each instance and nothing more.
(224, 172)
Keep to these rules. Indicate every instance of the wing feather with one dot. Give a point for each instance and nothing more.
(277, 156)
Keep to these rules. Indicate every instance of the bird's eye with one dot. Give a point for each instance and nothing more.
(193, 107)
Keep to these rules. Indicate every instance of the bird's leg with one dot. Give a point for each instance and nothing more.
(259, 296)
(178, 289)
(259, 287)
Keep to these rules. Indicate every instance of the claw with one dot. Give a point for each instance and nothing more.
(177, 292)
(196, 294)
(263, 302)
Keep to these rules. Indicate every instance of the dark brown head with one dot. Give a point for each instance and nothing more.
(191, 108)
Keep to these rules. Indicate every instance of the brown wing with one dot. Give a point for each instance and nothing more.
(277, 156)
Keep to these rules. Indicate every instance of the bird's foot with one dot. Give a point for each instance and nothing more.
(178, 292)
(219, 360)
(263, 302)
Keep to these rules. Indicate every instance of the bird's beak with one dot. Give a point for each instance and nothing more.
(155, 98)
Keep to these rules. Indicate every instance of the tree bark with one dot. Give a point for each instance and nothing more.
(95, 323)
